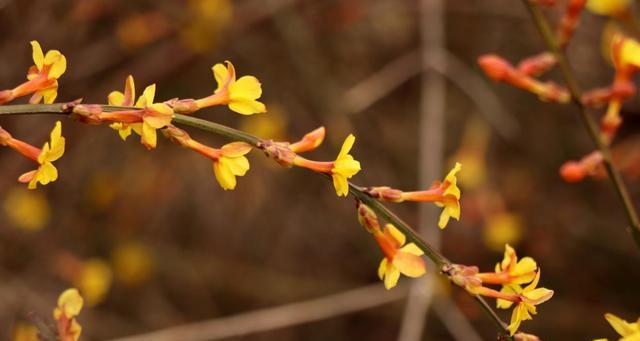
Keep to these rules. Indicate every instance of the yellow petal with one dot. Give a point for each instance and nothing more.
(70, 303)
(526, 266)
(247, 88)
(391, 277)
(236, 149)
(115, 98)
(38, 56)
(621, 326)
(58, 64)
(392, 231)
(149, 136)
(49, 94)
(534, 283)
(412, 249)
(538, 296)
(223, 173)
(224, 75)
(346, 166)
(238, 166)
(608, 7)
(409, 265)
(340, 184)
(346, 146)
(147, 96)
(382, 268)
(247, 106)
(47, 173)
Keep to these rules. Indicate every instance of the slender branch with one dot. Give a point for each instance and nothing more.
(590, 124)
(356, 191)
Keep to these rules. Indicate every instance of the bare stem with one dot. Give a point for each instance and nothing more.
(356, 191)
(590, 124)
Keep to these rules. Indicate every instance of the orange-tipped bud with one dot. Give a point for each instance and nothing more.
(538, 64)
(496, 67)
(569, 21)
(572, 171)
(87, 113)
(4, 137)
(465, 277)
(184, 106)
(309, 142)
(279, 151)
(386, 194)
(525, 337)
(367, 218)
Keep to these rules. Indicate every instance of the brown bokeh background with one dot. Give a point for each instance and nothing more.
(282, 236)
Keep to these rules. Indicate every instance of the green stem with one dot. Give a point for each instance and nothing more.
(590, 124)
(356, 191)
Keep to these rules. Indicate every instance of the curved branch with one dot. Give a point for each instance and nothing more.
(356, 191)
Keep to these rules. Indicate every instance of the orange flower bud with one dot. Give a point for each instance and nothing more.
(496, 67)
(309, 142)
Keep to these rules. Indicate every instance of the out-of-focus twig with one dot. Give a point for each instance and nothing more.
(431, 153)
(278, 317)
(589, 122)
(380, 84)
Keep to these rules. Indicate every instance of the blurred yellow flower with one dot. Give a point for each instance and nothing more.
(94, 280)
(51, 151)
(25, 332)
(206, 21)
(132, 263)
(69, 305)
(27, 210)
(502, 228)
(628, 331)
(272, 126)
(608, 7)
(344, 167)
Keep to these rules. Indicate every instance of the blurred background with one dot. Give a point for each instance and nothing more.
(153, 242)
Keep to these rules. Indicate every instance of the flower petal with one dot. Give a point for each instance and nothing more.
(409, 265)
(38, 56)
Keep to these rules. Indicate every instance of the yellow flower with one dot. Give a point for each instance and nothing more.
(154, 115)
(25, 332)
(51, 151)
(94, 280)
(132, 263)
(518, 272)
(451, 201)
(231, 163)
(344, 167)
(28, 210)
(399, 258)
(629, 51)
(628, 331)
(240, 95)
(530, 297)
(69, 304)
(608, 7)
(47, 69)
(502, 228)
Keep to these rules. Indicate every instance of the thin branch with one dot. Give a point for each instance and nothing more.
(590, 124)
(431, 153)
(277, 317)
(356, 191)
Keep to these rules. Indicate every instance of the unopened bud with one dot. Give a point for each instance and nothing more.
(495, 67)
(367, 218)
(87, 113)
(184, 106)
(386, 193)
(279, 151)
